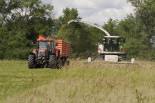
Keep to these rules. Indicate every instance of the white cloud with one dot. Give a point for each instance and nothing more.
(94, 11)
(84, 4)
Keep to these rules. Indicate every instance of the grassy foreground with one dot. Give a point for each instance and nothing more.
(78, 83)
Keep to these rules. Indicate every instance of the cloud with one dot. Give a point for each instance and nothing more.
(94, 11)
(103, 16)
(84, 4)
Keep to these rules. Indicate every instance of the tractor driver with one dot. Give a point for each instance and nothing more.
(111, 45)
(48, 46)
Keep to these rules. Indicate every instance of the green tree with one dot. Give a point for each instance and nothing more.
(111, 27)
(21, 23)
(145, 11)
(80, 38)
(68, 14)
(79, 35)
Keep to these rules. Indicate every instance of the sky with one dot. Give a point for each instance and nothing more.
(94, 11)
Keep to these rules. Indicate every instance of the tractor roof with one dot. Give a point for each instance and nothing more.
(43, 38)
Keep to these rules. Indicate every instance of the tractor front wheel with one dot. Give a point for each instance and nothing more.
(31, 61)
(52, 61)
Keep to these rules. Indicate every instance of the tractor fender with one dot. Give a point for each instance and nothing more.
(56, 52)
(34, 51)
(32, 54)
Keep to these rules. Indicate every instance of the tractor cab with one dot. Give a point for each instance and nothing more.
(45, 44)
(44, 48)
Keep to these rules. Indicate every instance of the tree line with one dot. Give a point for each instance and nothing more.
(21, 21)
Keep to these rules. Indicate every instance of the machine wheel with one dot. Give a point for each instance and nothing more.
(123, 57)
(67, 62)
(59, 64)
(31, 61)
(52, 61)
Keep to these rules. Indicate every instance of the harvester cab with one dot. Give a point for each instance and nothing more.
(112, 45)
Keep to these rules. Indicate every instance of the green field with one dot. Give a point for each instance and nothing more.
(78, 83)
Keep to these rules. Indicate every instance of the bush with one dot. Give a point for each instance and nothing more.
(152, 55)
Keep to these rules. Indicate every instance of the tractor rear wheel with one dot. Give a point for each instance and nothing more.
(52, 61)
(31, 61)
(67, 62)
(59, 64)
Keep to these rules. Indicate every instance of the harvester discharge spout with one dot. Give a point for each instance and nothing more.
(76, 20)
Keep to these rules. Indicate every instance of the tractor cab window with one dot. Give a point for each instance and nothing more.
(52, 44)
(43, 44)
(111, 45)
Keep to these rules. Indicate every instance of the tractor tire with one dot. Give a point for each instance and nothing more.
(31, 61)
(67, 62)
(59, 64)
(52, 61)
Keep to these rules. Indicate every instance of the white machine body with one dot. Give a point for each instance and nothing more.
(111, 58)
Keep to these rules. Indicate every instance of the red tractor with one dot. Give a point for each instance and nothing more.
(47, 55)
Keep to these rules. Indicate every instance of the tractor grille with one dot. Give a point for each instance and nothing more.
(41, 54)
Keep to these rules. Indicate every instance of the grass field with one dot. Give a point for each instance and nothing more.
(78, 83)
